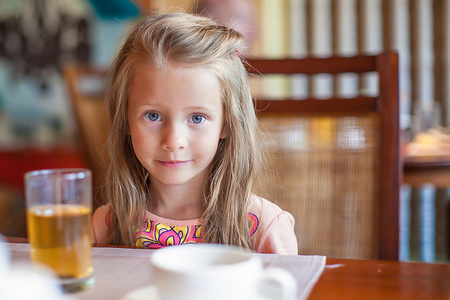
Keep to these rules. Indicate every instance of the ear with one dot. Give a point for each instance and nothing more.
(224, 132)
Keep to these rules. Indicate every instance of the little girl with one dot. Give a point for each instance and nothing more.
(184, 147)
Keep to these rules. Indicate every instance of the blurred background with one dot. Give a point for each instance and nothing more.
(39, 37)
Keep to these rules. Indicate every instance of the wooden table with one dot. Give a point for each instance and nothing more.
(418, 170)
(372, 279)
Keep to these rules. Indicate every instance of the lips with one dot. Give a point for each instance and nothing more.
(173, 164)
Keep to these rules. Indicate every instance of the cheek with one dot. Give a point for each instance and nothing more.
(141, 142)
(137, 147)
(207, 143)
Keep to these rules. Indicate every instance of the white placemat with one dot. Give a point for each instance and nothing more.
(121, 272)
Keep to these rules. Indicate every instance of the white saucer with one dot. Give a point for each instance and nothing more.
(144, 293)
(150, 292)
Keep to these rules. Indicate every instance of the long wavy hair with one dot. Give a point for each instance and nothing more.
(191, 41)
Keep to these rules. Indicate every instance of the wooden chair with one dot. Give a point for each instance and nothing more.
(85, 85)
(336, 162)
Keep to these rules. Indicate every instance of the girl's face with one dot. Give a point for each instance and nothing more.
(176, 120)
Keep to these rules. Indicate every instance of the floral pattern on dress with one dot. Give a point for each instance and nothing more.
(154, 235)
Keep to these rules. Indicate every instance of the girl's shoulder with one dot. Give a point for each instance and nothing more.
(260, 206)
(267, 213)
(100, 224)
(272, 228)
(101, 212)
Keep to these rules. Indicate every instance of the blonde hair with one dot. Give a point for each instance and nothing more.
(190, 41)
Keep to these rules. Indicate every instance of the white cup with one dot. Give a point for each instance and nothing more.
(211, 271)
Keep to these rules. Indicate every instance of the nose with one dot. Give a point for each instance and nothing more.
(173, 137)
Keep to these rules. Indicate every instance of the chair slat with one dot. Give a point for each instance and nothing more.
(313, 65)
(308, 106)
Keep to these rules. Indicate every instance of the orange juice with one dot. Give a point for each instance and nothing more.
(60, 238)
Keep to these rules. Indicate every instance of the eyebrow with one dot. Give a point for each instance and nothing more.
(209, 108)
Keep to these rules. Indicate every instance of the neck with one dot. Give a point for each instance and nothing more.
(176, 202)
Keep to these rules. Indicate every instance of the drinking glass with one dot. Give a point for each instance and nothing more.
(59, 213)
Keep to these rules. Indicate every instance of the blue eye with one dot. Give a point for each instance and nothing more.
(197, 119)
(152, 116)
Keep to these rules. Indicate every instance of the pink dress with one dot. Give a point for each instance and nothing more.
(272, 229)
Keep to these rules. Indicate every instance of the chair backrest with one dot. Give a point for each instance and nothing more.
(336, 162)
(85, 85)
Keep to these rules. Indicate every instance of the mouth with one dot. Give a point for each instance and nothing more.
(173, 164)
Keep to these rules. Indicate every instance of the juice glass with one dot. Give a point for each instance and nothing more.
(59, 213)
